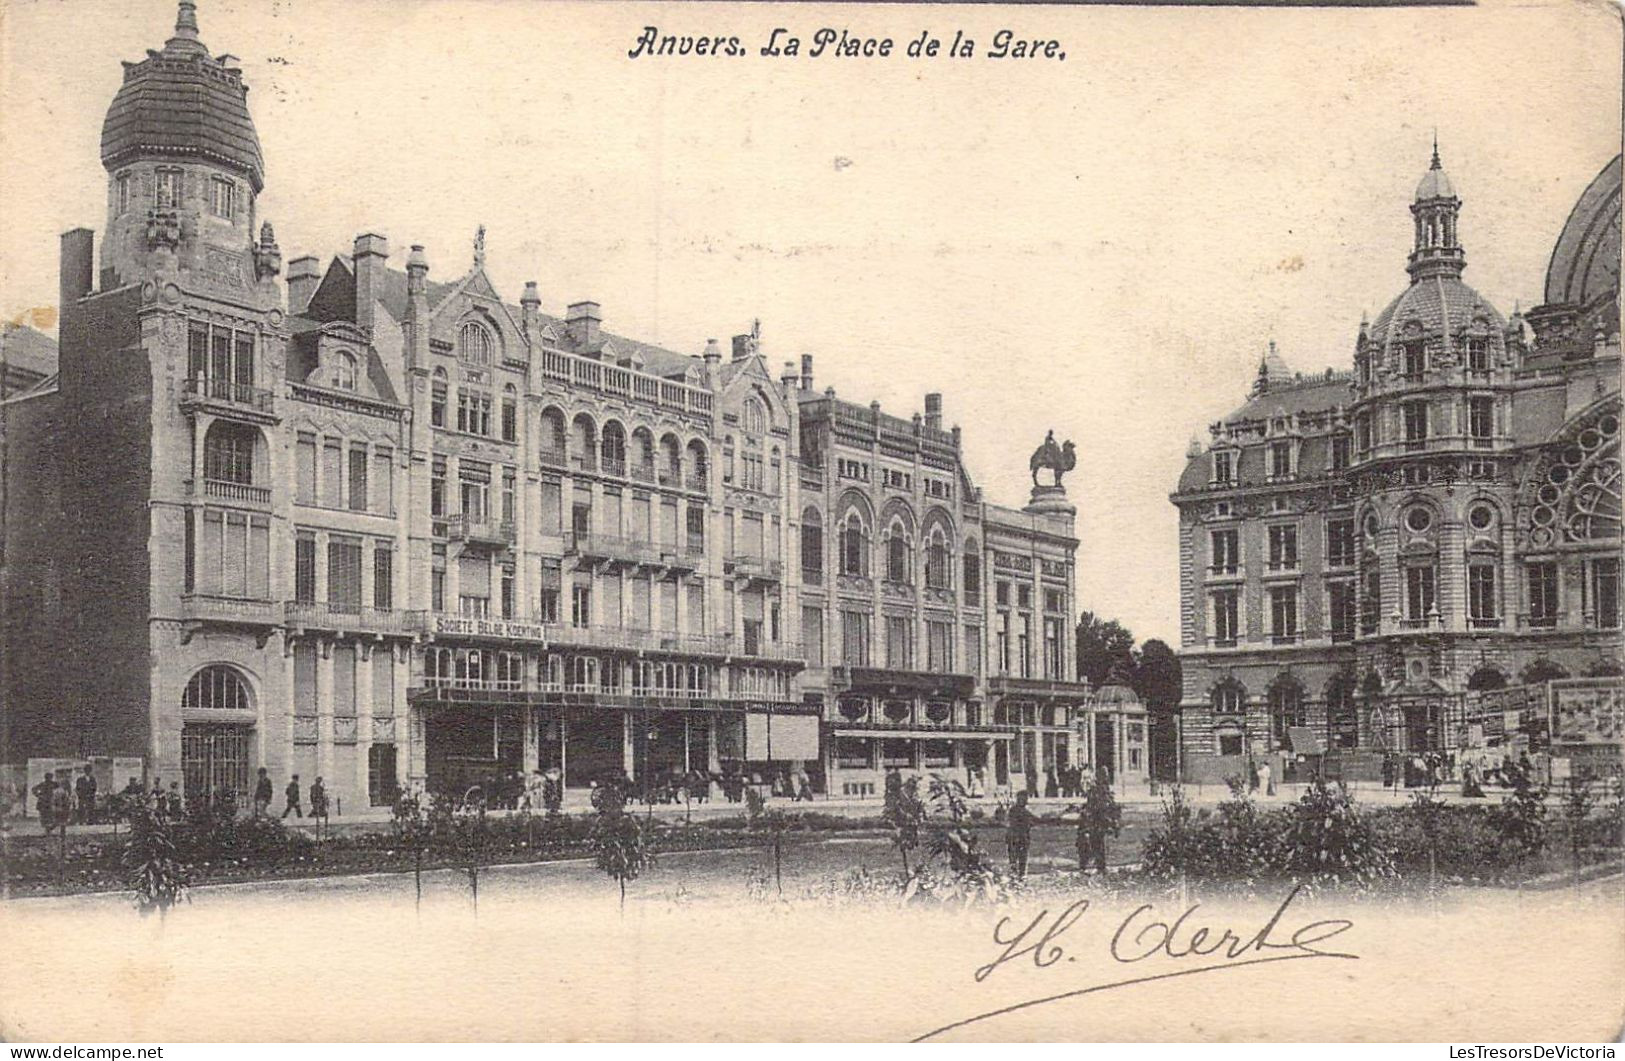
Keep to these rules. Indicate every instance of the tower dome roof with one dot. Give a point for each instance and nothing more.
(1436, 305)
(1435, 183)
(181, 102)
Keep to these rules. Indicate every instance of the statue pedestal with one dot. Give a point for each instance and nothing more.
(1050, 501)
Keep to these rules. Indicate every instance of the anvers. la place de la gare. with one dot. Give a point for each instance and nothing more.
(362, 516)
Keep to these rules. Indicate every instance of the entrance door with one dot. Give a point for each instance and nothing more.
(594, 747)
(214, 756)
(1105, 747)
(1421, 727)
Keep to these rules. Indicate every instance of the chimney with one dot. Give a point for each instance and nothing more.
(933, 411)
(741, 347)
(806, 372)
(788, 377)
(304, 277)
(530, 305)
(77, 267)
(371, 251)
(417, 309)
(583, 319)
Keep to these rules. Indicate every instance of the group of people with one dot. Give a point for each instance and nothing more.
(1099, 816)
(293, 804)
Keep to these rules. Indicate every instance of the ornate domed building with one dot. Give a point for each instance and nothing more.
(1366, 558)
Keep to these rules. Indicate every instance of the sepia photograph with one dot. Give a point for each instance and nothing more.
(536, 521)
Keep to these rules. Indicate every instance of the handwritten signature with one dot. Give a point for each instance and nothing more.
(1144, 935)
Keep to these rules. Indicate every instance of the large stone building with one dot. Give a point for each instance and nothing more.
(374, 525)
(1362, 552)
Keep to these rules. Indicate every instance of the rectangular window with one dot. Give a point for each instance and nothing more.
(1001, 647)
(812, 554)
(1340, 608)
(1604, 590)
(1054, 631)
(1414, 360)
(343, 664)
(1226, 551)
(1478, 355)
(973, 649)
(474, 585)
(1371, 601)
(1340, 452)
(224, 201)
(580, 606)
(383, 577)
(1226, 630)
(358, 478)
(1283, 548)
(1481, 609)
(169, 189)
(1024, 644)
(383, 482)
(1362, 432)
(1418, 595)
(855, 638)
(507, 591)
(1284, 614)
(899, 642)
(509, 495)
(1416, 424)
(333, 473)
(381, 783)
(437, 488)
(939, 647)
(344, 574)
(1481, 419)
(1224, 466)
(1340, 543)
(304, 569)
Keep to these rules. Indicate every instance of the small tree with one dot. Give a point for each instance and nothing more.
(1578, 802)
(472, 833)
(1429, 812)
(152, 863)
(953, 839)
(1099, 816)
(1329, 839)
(411, 825)
(620, 841)
(1522, 815)
(903, 814)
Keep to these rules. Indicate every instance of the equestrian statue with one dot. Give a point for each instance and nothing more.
(1058, 459)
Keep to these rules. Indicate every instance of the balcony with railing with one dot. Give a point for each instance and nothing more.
(641, 551)
(464, 528)
(228, 398)
(238, 493)
(552, 458)
(239, 611)
(753, 567)
(589, 374)
(643, 471)
(351, 618)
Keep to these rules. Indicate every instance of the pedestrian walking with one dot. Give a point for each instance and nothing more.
(1018, 833)
(45, 802)
(292, 794)
(262, 794)
(318, 800)
(1266, 778)
(84, 791)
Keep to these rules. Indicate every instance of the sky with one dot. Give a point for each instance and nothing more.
(1101, 245)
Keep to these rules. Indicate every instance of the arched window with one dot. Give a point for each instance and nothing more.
(614, 449)
(474, 345)
(437, 399)
(344, 371)
(755, 419)
(583, 443)
(217, 688)
(897, 558)
(1486, 678)
(854, 547)
(228, 453)
(670, 469)
(550, 446)
(812, 548)
(936, 561)
(1286, 708)
(642, 457)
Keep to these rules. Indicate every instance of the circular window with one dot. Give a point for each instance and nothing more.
(1418, 519)
(1481, 517)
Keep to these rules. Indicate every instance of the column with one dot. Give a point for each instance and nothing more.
(408, 766)
(628, 747)
(324, 713)
(532, 749)
(365, 652)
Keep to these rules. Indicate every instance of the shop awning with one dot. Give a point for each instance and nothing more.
(924, 734)
(1303, 741)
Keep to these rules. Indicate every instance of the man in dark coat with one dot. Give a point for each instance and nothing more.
(45, 802)
(262, 793)
(84, 791)
(318, 800)
(1018, 832)
(292, 793)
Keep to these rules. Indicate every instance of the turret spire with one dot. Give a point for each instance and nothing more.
(1437, 251)
(186, 20)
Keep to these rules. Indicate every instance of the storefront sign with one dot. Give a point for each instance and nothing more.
(513, 630)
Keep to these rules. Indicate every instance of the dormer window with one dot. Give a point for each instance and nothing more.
(168, 195)
(474, 346)
(1414, 359)
(223, 202)
(1280, 460)
(1224, 466)
(344, 371)
(1478, 355)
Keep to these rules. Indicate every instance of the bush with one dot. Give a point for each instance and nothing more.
(1330, 839)
(153, 864)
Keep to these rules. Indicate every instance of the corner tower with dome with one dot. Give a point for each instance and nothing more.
(1368, 557)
